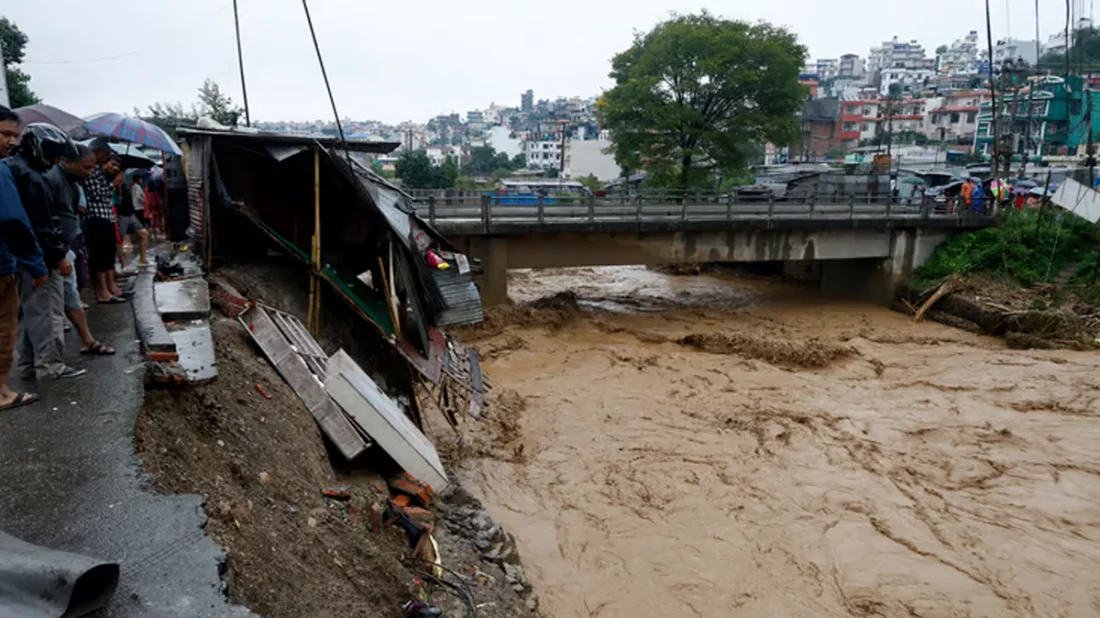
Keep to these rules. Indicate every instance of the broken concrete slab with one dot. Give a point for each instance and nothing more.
(156, 343)
(195, 346)
(293, 368)
(185, 299)
(382, 419)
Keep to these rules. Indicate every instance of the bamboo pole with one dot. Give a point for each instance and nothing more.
(314, 321)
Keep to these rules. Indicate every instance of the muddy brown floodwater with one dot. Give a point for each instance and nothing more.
(723, 447)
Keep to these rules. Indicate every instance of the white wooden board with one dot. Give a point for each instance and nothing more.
(382, 419)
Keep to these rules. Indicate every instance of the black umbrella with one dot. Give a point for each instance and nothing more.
(49, 114)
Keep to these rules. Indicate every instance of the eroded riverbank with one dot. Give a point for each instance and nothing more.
(718, 447)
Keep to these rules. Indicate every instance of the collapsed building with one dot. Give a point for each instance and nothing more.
(358, 237)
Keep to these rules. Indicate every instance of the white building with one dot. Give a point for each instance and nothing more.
(896, 54)
(439, 154)
(544, 154)
(961, 56)
(585, 157)
(503, 140)
(1015, 49)
(827, 68)
(908, 79)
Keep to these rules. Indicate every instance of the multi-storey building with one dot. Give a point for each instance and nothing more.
(896, 54)
(1050, 118)
(961, 57)
(851, 66)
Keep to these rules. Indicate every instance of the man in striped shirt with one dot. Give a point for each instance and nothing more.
(100, 235)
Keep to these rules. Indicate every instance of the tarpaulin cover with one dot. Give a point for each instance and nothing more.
(36, 582)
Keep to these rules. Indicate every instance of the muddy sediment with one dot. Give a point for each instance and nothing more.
(752, 450)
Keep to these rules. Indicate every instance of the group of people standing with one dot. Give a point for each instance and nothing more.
(64, 209)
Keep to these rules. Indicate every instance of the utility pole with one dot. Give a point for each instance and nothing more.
(240, 62)
(992, 90)
(561, 171)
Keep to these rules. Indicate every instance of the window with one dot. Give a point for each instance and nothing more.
(851, 126)
(954, 117)
(546, 155)
(866, 126)
(970, 117)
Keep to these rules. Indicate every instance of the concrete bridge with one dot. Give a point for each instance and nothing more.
(861, 248)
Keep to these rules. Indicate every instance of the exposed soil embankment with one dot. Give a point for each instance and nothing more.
(902, 469)
(261, 464)
(1041, 317)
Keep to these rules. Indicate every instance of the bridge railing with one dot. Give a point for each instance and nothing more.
(484, 210)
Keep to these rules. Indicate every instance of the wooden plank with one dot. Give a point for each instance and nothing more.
(383, 420)
(294, 370)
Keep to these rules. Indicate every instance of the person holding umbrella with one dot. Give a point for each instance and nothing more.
(19, 251)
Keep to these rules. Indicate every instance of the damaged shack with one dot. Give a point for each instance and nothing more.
(360, 241)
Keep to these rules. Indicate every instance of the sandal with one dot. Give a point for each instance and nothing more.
(98, 349)
(21, 399)
(114, 300)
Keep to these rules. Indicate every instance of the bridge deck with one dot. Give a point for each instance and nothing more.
(473, 219)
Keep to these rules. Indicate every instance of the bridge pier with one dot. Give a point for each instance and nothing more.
(493, 253)
(878, 280)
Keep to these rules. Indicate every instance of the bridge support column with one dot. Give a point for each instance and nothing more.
(880, 280)
(493, 253)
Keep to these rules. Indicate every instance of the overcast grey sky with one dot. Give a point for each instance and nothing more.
(413, 59)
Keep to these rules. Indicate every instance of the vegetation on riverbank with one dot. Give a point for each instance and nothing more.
(1026, 248)
(1033, 278)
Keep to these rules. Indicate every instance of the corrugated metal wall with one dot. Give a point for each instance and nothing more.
(196, 152)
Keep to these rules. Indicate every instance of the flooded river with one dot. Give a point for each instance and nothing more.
(717, 446)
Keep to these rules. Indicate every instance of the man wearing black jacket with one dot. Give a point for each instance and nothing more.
(38, 354)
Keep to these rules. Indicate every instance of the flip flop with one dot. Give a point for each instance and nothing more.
(98, 349)
(21, 399)
(114, 300)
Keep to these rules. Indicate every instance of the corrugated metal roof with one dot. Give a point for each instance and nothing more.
(259, 137)
(461, 294)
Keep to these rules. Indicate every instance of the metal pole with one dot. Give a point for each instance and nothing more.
(315, 257)
(992, 87)
(240, 61)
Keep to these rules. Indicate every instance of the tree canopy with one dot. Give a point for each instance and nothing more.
(695, 93)
(14, 42)
(415, 171)
(212, 102)
(486, 160)
(1083, 54)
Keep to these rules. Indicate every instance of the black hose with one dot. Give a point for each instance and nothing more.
(460, 579)
(459, 593)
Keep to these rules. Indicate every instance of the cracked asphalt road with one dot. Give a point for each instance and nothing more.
(71, 481)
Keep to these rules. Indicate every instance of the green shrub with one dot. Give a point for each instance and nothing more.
(1019, 247)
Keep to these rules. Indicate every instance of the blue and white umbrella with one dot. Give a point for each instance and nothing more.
(133, 130)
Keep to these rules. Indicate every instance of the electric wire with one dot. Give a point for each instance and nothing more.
(186, 31)
(328, 87)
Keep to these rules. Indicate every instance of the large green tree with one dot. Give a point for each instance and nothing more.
(14, 42)
(693, 95)
(486, 160)
(216, 104)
